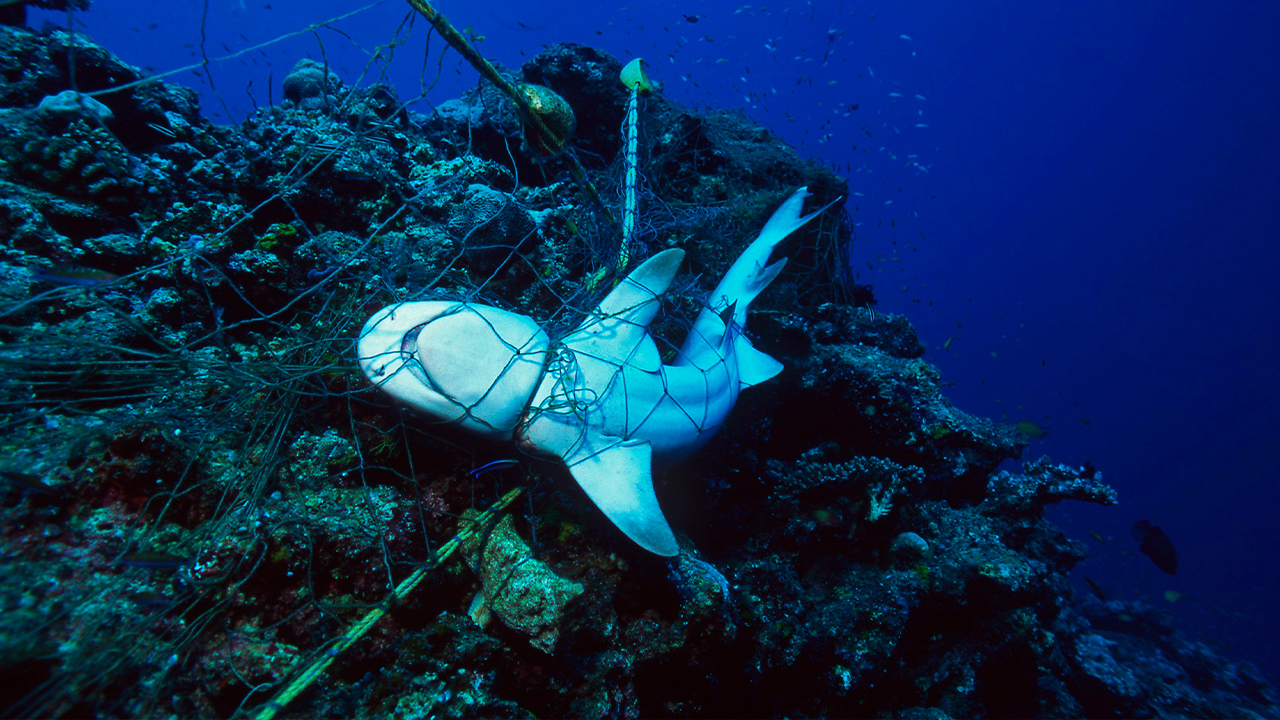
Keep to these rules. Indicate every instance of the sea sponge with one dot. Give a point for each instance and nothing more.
(70, 105)
(305, 85)
(521, 590)
(491, 225)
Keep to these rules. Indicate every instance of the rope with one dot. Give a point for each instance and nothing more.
(357, 631)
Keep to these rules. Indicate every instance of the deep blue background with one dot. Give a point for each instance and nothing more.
(1098, 225)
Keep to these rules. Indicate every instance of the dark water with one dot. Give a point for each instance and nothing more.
(1083, 195)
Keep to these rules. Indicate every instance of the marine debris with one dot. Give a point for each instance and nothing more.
(204, 500)
(599, 398)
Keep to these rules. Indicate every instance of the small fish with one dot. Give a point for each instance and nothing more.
(324, 146)
(76, 275)
(1030, 429)
(1156, 545)
(492, 466)
(1097, 590)
(919, 96)
(479, 611)
(317, 274)
(28, 482)
(947, 345)
(154, 560)
(905, 37)
(163, 130)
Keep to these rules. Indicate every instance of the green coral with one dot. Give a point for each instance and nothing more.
(276, 234)
(921, 571)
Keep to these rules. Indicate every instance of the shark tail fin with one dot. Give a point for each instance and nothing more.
(751, 274)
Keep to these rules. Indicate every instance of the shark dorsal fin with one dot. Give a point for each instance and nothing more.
(616, 330)
(636, 297)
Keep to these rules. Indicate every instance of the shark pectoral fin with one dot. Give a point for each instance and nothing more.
(754, 367)
(618, 480)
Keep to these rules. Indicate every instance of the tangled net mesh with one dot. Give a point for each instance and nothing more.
(202, 484)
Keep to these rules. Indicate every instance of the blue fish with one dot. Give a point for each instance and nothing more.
(495, 465)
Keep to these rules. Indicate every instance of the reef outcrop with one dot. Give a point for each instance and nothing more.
(201, 493)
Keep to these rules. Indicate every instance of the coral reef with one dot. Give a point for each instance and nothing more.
(200, 495)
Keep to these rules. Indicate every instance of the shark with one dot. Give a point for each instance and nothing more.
(600, 398)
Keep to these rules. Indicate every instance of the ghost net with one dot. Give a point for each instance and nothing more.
(203, 495)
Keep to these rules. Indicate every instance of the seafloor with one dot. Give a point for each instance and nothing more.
(202, 496)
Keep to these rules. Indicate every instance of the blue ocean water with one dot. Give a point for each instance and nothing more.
(1074, 203)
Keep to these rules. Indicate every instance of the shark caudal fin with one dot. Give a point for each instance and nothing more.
(749, 274)
(746, 278)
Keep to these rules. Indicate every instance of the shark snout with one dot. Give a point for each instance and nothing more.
(457, 362)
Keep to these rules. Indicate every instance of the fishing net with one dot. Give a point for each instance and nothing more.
(203, 495)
